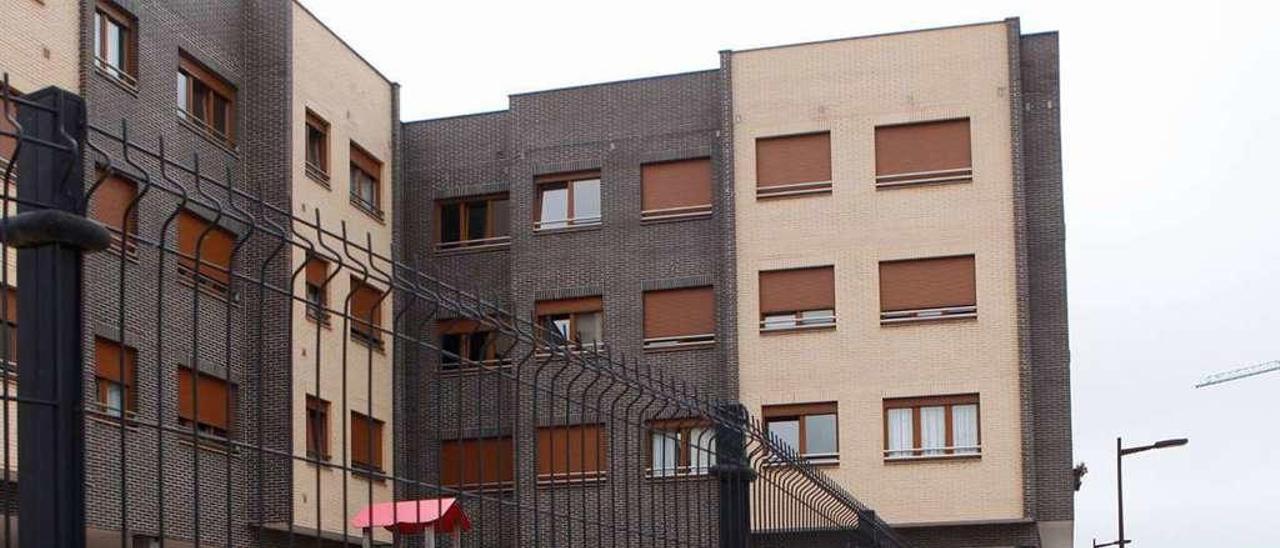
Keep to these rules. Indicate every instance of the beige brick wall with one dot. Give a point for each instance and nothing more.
(848, 87)
(332, 81)
(40, 43)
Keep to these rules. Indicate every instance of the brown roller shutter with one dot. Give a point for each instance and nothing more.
(317, 271)
(568, 306)
(928, 146)
(10, 327)
(214, 395)
(678, 184)
(571, 452)
(215, 252)
(110, 202)
(927, 283)
(107, 355)
(679, 312)
(798, 410)
(783, 291)
(366, 162)
(366, 307)
(366, 434)
(793, 159)
(476, 462)
(11, 305)
(8, 144)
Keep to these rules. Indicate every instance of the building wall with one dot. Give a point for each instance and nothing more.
(40, 44)
(336, 84)
(848, 87)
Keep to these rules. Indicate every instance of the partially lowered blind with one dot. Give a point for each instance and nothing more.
(366, 441)
(568, 306)
(927, 283)
(214, 397)
(568, 453)
(793, 159)
(215, 248)
(798, 289)
(675, 187)
(110, 203)
(679, 312)
(936, 151)
(476, 462)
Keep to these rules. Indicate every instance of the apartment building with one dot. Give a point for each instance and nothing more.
(860, 240)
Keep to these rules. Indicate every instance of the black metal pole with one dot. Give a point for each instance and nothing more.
(735, 477)
(1120, 492)
(50, 420)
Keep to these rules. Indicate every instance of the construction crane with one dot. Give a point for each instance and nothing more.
(1237, 374)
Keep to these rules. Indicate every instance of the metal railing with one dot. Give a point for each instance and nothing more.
(541, 443)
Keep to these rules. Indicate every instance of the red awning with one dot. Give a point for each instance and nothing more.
(414, 516)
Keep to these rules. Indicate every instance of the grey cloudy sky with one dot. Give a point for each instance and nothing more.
(1171, 123)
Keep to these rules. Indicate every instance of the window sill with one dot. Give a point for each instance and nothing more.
(221, 295)
(219, 141)
(567, 229)
(320, 321)
(373, 344)
(793, 191)
(677, 475)
(825, 461)
(932, 458)
(796, 329)
(552, 482)
(318, 175)
(210, 443)
(97, 413)
(699, 345)
(368, 209)
(375, 475)
(928, 315)
(463, 248)
(674, 215)
(129, 87)
(929, 178)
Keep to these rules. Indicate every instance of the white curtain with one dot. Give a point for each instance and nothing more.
(933, 430)
(900, 433)
(702, 449)
(964, 428)
(666, 452)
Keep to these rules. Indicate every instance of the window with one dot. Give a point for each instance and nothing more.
(116, 374)
(213, 270)
(317, 273)
(681, 447)
(317, 148)
(567, 200)
(366, 313)
(924, 153)
(366, 442)
(573, 453)
(679, 318)
(146, 541)
(928, 289)
(477, 464)
(206, 100)
(317, 428)
(366, 181)
(9, 353)
(675, 190)
(115, 44)
(111, 201)
(579, 321)
(793, 165)
(469, 344)
(810, 429)
(799, 298)
(473, 223)
(209, 404)
(8, 144)
(936, 426)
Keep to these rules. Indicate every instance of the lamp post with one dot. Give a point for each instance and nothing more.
(1121, 451)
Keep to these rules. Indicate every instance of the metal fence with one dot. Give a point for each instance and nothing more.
(186, 374)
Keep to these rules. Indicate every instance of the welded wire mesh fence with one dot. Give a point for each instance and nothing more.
(248, 374)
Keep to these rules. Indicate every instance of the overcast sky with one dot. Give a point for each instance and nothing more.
(1171, 124)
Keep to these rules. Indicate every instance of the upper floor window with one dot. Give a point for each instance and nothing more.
(317, 428)
(924, 153)
(366, 181)
(116, 376)
(366, 442)
(8, 132)
(681, 447)
(211, 245)
(798, 298)
(579, 322)
(678, 318)
(467, 343)
(115, 42)
(571, 453)
(675, 190)
(366, 313)
(473, 223)
(209, 404)
(317, 278)
(317, 162)
(206, 100)
(110, 206)
(934, 426)
(9, 326)
(566, 200)
(809, 428)
(792, 165)
(928, 289)
(477, 464)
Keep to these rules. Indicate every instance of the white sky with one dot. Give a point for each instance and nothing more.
(1171, 117)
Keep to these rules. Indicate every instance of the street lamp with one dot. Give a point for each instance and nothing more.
(1120, 452)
